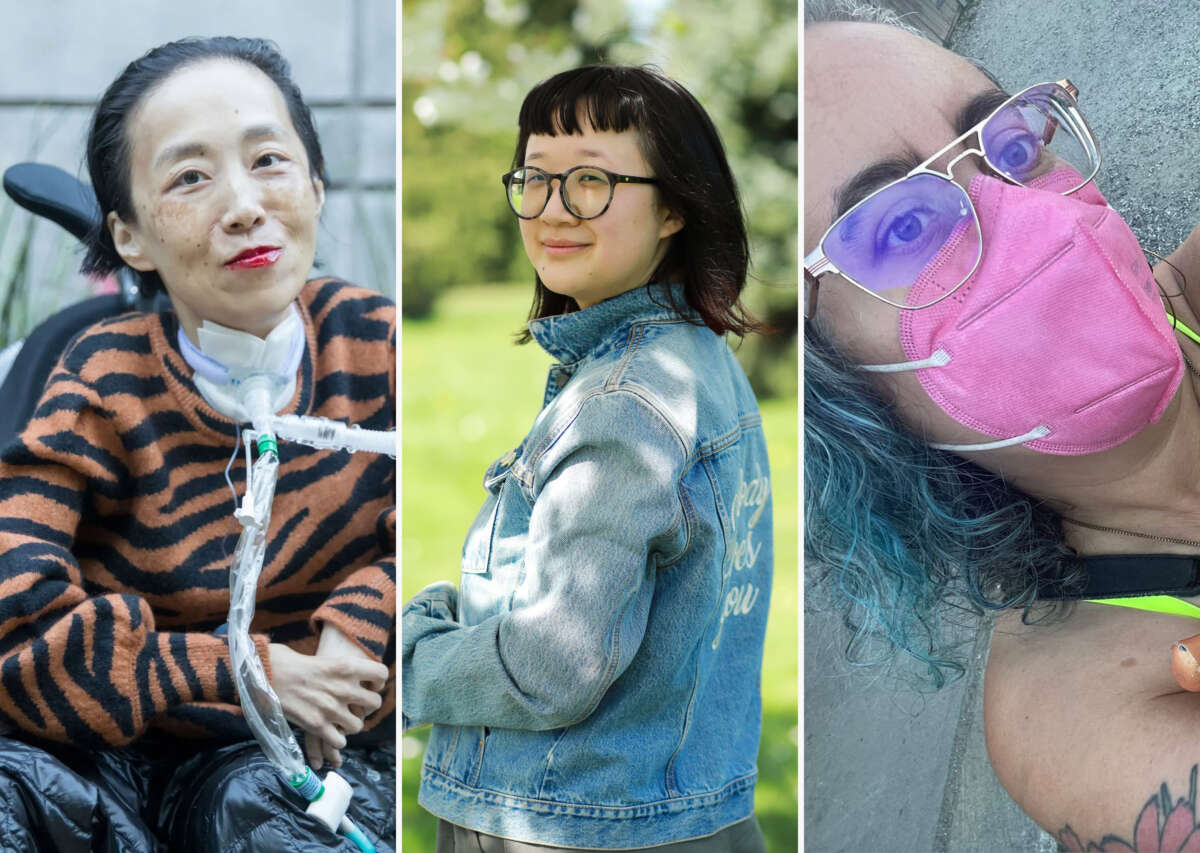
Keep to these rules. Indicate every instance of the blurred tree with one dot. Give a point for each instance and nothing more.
(467, 65)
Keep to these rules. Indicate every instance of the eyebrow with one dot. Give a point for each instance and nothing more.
(269, 130)
(883, 172)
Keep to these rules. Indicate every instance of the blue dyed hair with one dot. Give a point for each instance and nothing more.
(899, 533)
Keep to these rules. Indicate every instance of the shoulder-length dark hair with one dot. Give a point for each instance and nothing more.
(710, 254)
(109, 146)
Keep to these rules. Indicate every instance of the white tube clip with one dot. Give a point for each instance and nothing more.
(326, 434)
(330, 808)
(246, 514)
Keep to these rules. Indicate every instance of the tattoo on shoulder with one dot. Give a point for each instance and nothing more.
(1163, 825)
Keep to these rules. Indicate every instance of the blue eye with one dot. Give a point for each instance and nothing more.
(914, 229)
(1019, 152)
(906, 228)
(905, 231)
(1013, 140)
(1017, 155)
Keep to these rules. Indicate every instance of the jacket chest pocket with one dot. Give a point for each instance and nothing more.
(493, 558)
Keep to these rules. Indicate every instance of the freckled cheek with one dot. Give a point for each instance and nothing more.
(295, 200)
(171, 210)
(176, 224)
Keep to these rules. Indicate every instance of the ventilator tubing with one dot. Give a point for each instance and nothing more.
(259, 702)
(325, 434)
(260, 705)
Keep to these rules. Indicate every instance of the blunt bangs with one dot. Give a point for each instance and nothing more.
(595, 95)
(710, 254)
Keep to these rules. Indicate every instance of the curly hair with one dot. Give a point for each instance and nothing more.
(898, 532)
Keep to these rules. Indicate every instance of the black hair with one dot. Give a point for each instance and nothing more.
(109, 147)
(710, 254)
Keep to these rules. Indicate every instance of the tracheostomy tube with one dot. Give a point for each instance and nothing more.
(260, 706)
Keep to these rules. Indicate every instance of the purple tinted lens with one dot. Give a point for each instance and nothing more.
(887, 240)
(1012, 141)
(1035, 135)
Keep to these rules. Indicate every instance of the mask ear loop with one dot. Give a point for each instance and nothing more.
(1180, 281)
(1168, 297)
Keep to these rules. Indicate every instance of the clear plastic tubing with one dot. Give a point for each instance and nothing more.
(260, 705)
(325, 434)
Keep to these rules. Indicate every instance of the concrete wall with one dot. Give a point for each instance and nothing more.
(57, 57)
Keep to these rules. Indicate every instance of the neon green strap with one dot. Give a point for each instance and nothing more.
(1178, 324)
(1156, 603)
(1159, 603)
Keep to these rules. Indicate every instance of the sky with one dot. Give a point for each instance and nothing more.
(644, 13)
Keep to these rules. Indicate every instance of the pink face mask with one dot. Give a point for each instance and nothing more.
(1059, 340)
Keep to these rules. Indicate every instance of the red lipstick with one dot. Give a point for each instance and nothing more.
(259, 256)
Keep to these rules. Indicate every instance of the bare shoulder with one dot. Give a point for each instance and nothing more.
(1086, 728)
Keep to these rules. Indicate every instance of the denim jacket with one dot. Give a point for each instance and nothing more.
(596, 680)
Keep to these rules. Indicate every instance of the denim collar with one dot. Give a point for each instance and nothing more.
(570, 337)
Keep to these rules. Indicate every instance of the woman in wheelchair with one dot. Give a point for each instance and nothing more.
(116, 528)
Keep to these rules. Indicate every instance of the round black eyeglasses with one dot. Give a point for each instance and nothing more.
(586, 191)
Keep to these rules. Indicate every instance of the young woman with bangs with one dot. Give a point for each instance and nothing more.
(593, 683)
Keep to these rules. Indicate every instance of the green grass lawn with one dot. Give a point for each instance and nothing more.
(469, 396)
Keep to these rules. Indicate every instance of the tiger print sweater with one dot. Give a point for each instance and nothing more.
(117, 530)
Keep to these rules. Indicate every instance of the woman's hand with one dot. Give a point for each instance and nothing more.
(333, 643)
(318, 691)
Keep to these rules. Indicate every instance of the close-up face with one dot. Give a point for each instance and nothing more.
(225, 205)
(595, 259)
(875, 93)
(872, 94)
(992, 285)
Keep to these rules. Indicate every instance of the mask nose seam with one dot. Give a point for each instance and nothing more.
(1041, 268)
(1131, 384)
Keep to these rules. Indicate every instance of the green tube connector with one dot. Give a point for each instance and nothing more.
(307, 784)
(267, 443)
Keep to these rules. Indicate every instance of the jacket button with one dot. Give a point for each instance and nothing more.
(561, 379)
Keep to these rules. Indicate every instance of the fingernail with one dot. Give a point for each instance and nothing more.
(1191, 658)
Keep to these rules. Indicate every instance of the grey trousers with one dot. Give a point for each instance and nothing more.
(742, 837)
